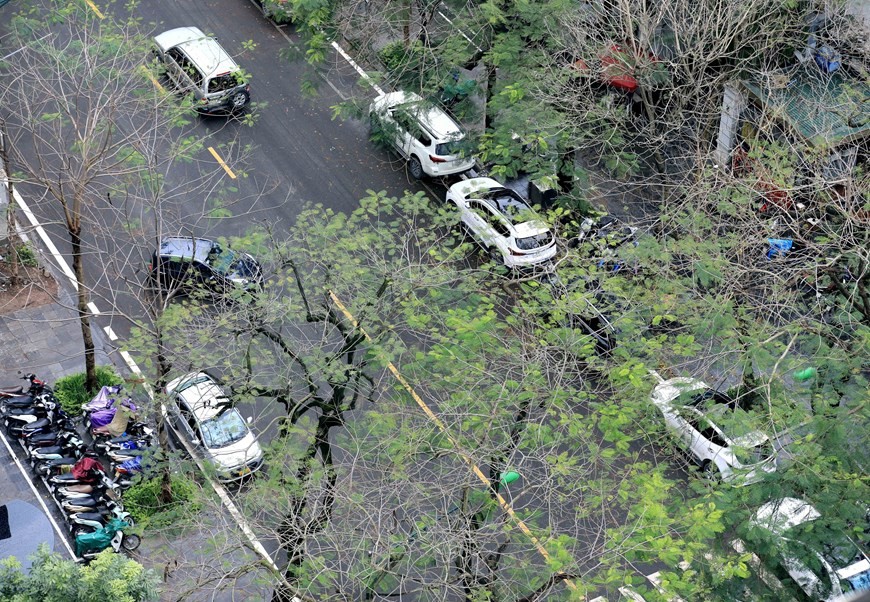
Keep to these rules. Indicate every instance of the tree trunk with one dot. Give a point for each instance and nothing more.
(14, 278)
(490, 92)
(84, 313)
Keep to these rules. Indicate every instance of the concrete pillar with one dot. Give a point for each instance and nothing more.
(733, 103)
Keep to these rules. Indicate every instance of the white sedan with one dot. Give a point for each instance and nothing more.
(503, 223)
(717, 433)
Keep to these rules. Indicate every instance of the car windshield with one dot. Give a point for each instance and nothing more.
(530, 243)
(231, 264)
(224, 429)
(199, 378)
(510, 204)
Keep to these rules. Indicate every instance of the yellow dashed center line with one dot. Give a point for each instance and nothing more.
(153, 79)
(505, 505)
(221, 162)
(95, 9)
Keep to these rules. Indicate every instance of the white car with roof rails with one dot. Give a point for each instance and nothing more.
(199, 411)
(503, 223)
(826, 563)
(196, 64)
(718, 434)
(424, 134)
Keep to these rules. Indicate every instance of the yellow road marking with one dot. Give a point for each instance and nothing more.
(443, 428)
(153, 79)
(221, 162)
(95, 9)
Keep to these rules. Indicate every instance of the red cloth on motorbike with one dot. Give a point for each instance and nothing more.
(85, 467)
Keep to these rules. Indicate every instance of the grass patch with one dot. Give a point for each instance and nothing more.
(142, 500)
(70, 390)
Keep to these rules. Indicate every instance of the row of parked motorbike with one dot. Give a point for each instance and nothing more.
(89, 498)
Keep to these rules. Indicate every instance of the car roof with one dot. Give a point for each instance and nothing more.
(433, 118)
(204, 396)
(186, 247)
(781, 515)
(205, 51)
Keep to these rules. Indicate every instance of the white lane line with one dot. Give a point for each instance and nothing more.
(359, 69)
(656, 580)
(111, 334)
(61, 534)
(49, 244)
(131, 364)
(93, 307)
(462, 33)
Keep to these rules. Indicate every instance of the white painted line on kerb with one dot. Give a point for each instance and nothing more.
(359, 69)
(61, 535)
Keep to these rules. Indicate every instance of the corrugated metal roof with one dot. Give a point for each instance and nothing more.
(826, 110)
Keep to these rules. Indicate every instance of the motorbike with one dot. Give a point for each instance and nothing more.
(119, 424)
(125, 471)
(42, 434)
(68, 445)
(137, 439)
(21, 420)
(87, 522)
(37, 387)
(88, 545)
(101, 410)
(101, 489)
(86, 471)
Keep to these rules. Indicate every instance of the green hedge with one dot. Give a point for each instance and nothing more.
(70, 390)
(142, 501)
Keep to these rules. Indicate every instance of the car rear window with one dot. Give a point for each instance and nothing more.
(530, 243)
(454, 147)
(748, 456)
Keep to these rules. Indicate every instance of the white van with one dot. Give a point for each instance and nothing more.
(195, 63)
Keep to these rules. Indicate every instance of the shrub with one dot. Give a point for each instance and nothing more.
(26, 255)
(403, 65)
(142, 500)
(70, 390)
(280, 11)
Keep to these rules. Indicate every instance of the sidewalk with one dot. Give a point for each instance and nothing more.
(47, 341)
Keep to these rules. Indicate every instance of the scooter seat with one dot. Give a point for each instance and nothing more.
(90, 516)
(38, 439)
(13, 390)
(20, 401)
(49, 450)
(28, 410)
(63, 461)
(85, 502)
(38, 425)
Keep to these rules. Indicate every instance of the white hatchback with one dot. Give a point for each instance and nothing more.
(715, 431)
(431, 141)
(503, 223)
(202, 413)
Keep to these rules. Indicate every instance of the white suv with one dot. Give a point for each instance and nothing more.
(718, 434)
(197, 64)
(422, 133)
(503, 223)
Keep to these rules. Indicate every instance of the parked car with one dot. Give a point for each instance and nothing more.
(196, 64)
(716, 432)
(201, 412)
(431, 141)
(503, 223)
(199, 261)
(827, 564)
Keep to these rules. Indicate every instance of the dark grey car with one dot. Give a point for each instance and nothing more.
(201, 262)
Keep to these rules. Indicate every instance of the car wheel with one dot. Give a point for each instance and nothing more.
(131, 542)
(239, 99)
(415, 168)
(711, 472)
(495, 256)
